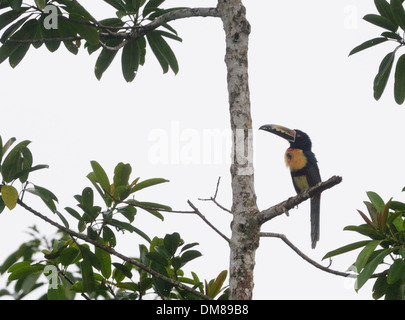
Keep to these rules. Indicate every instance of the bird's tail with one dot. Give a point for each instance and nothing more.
(315, 216)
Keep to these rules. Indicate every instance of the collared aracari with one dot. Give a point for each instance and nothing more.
(303, 167)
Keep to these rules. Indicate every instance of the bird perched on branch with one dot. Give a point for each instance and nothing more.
(303, 168)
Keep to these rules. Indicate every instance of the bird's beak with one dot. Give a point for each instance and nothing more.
(281, 131)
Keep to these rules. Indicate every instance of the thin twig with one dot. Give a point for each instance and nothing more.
(308, 259)
(197, 212)
(214, 198)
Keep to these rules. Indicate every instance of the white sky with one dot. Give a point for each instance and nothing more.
(300, 77)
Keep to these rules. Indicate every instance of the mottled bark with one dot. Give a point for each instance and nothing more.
(245, 229)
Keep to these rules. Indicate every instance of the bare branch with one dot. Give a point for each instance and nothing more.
(206, 220)
(305, 257)
(180, 14)
(290, 203)
(113, 252)
(214, 198)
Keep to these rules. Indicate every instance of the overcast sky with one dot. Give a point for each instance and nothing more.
(300, 77)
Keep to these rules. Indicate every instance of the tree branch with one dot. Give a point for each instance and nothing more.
(136, 31)
(313, 262)
(292, 202)
(113, 252)
(305, 257)
(214, 198)
(196, 211)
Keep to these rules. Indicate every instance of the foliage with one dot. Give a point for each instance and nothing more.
(391, 17)
(51, 22)
(385, 226)
(72, 267)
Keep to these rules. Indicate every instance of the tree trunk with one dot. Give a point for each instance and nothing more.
(245, 228)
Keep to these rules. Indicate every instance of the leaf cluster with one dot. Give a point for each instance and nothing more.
(16, 163)
(385, 226)
(27, 25)
(391, 17)
(72, 267)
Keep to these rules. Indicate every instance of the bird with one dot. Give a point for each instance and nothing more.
(303, 167)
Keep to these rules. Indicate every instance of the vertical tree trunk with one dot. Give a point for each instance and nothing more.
(245, 229)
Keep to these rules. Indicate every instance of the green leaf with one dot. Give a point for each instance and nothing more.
(56, 294)
(128, 212)
(9, 195)
(74, 7)
(190, 255)
(9, 16)
(66, 29)
(23, 269)
(89, 33)
(125, 271)
(105, 58)
(130, 60)
(121, 175)
(147, 183)
(27, 31)
(392, 35)
(150, 205)
(87, 200)
(29, 170)
(158, 44)
(158, 258)
(15, 4)
(47, 196)
(73, 213)
(156, 51)
(346, 248)
(188, 246)
(376, 200)
(399, 86)
(398, 12)
(172, 242)
(161, 286)
(68, 256)
(366, 230)
(371, 266)
(12, 164)
(117, 4)
(381, 79)
(89, 256)
(381, 21)
(365, 254)
(13, 28)
(215, 288)
(384, 9)
(129, 227)
(396, 271)
(101, 176)
(380, 287)
(367, 44)
(40, 4)
(109, 236)
(87, 276)
(105, 261)
(151, 6)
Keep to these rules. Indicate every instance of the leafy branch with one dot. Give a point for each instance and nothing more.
(159, 266)
(391, 17)
(136, 24)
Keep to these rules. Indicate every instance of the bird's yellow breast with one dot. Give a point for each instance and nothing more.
(295, 159)
(301, 182)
